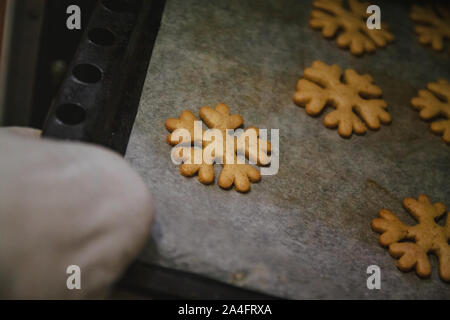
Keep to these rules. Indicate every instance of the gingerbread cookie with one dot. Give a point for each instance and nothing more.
(241, 175)
(428, 236)
(331, 17)
(433, 103)
(322, 85)
(432, 26)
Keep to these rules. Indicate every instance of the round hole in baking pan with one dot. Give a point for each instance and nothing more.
(102, 37)
(70, 114)
(87, 73)
(115, 5)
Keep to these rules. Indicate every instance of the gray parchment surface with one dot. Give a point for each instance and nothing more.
(305, 232)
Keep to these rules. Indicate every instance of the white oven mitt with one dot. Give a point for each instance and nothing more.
(63, 204)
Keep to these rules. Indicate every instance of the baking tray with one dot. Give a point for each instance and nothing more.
(305, 232)
(98, 97)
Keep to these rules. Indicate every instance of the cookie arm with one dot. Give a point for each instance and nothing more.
(186, 121)
(372, 111)
(422, 209)
(411, 255)
(427, 103)
(220, 118)
(310, 96)
(324, 21)
(240, 175)
(391, 228)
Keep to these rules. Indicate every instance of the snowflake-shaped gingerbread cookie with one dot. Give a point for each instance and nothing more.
(330, 16)
(433, 103)
(239, 174)
(432, 26)
(322, 85)
(427, 236)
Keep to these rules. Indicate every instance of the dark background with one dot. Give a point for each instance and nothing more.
(44, 24)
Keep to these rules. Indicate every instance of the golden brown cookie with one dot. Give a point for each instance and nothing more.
(433, 103)
(331, 17)
(321, 85)
(189, 168)
(427, 236)
(431, 27)
(241, 175)
(185, 121)
(220, 118)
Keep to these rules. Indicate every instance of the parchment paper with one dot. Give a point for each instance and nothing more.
(304, 233)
